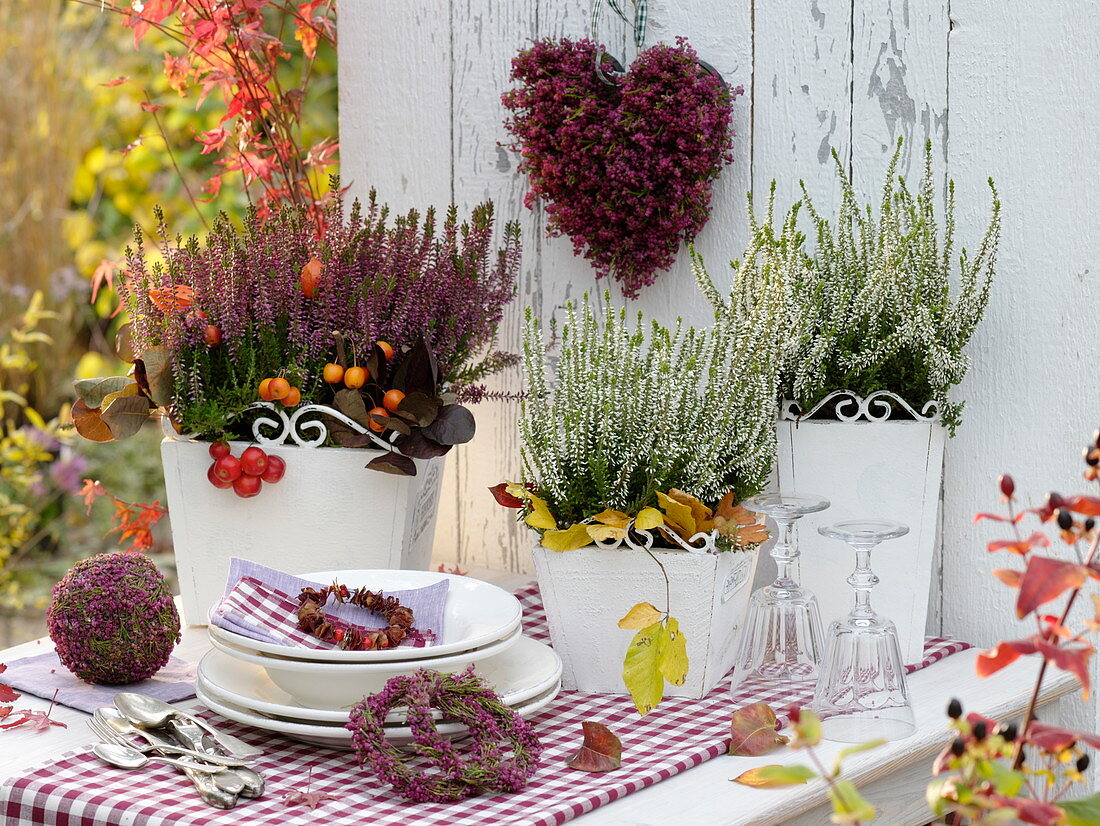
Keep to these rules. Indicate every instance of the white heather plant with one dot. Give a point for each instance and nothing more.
(874, 308)
(636, 408)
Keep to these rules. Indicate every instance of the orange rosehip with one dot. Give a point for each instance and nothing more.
(278, 388)
(311, 278)
(213, 335)
(386, 349)
(334, 373)
(293, 398)
(265, 390)
(392, 399)
(355, 377)
(377, 426)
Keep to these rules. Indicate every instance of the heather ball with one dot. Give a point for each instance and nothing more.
(112, 619)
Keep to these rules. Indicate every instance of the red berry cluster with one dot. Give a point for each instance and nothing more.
(245, 475)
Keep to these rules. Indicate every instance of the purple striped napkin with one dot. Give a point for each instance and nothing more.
(261, 603)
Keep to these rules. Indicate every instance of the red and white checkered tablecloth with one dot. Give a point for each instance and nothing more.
(78, 790)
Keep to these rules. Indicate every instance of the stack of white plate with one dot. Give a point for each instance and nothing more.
(308, 693)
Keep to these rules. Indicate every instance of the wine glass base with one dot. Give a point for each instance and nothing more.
(861, 726)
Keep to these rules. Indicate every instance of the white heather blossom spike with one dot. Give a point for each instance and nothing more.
(637, 408)
(874, 308)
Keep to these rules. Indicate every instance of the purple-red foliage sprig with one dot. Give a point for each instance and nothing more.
(500, 755)
(626, 171)
(397, 281)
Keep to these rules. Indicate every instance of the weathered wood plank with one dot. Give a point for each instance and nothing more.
(1026, 411)
(487, 34)
(802, 104)
(395, 100)
(899, 87)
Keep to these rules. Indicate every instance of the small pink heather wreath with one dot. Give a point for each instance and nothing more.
(502, 752)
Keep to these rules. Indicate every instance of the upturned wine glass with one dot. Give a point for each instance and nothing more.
(862, 693)
(782, 640)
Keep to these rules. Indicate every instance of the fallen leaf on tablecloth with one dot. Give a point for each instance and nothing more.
(753, 731)
(310, 799)
(774, 777)
(307, 798)
(601, 751)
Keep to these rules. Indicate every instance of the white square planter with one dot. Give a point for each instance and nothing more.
(587, 591)
(327, 512)
(869, 469)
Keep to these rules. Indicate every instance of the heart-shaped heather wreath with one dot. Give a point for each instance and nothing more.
(625, 170)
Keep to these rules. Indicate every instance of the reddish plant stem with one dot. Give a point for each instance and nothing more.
(1029, 715)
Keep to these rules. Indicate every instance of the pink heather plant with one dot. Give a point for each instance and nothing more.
(624, 170)
(399, 282)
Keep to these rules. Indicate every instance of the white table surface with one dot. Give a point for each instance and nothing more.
(893, 776)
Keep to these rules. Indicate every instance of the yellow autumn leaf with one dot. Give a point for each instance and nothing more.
(614, 518)
(674, 656)
(775, 776)
(540, 516)
(699, 511)
(648, 518)
(605, 533)
(641, 615)
(569, 539)
(642, 669)
(677, 515)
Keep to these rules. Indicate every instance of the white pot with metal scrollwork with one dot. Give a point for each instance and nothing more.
(327, 512)
(587, 591)
(872, 457)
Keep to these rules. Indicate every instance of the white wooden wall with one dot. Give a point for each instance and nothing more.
(1003, 89)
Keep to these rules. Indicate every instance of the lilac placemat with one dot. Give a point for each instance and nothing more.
(43, 674)
(255, 606)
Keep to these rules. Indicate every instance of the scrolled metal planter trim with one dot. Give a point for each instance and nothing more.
(637, 539)
(876, 407)
(275, 426)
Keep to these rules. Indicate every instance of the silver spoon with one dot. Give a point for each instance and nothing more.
(114, 719)
(148, 712)
(127, 758)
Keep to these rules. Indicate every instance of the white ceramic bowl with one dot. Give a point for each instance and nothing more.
(525, 670)
(335, 685)
(334, 735)
(475, 614)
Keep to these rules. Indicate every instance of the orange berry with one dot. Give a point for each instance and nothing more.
(385, 348)
(355, 377)
(311, 278)
(278, 388)
(334, 373)
(377, 427)
(265, 390)
(293, 398)
(392, 399)
(213, 335)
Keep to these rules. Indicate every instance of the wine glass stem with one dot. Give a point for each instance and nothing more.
(785, 554)
(862, 580)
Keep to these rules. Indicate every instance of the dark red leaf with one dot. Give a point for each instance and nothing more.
(503, 497)
(1056, 738)
(754, 731)
(1046, 579)
(1031, 811)
(1020, 546)
(1084, 505)
(453, 426)
(393, 463)
(1072, 658)
(1003, 653)
(419, 446)
(601, 751)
